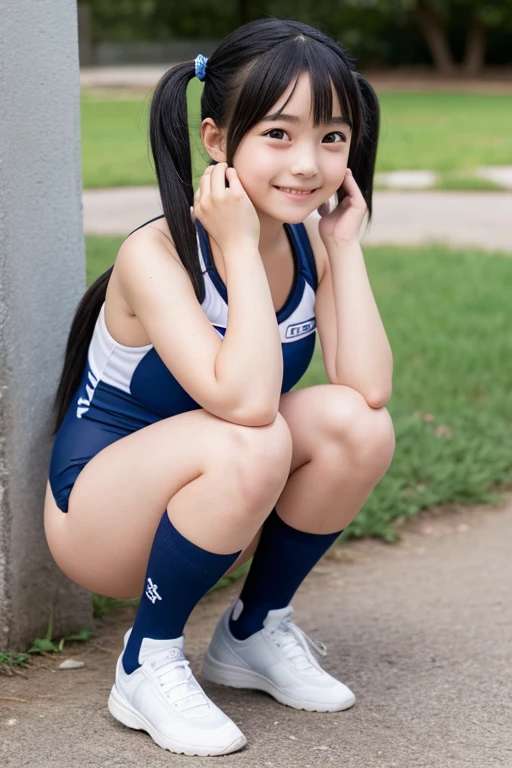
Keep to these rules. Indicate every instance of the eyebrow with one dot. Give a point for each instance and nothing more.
(294, 119)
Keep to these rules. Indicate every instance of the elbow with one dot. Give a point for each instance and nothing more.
(379, 399)
(254, 417)
(381, 393)
(262, 418)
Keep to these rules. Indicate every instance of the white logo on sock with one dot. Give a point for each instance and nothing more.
(151, 591)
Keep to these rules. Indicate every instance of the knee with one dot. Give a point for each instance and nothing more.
(260, 459)
(367, 433)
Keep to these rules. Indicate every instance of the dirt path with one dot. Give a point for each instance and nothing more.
(145, 76)
(492, 80)
(473, 219)
(422, 632)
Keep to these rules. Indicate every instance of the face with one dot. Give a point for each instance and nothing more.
(286, 165)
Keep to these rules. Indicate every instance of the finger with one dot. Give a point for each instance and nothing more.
(219, 180)
(234, 182)
(353, 190)
(350, 184)
(205, 182)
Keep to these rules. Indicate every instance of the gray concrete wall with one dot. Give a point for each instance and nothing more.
(42, 276)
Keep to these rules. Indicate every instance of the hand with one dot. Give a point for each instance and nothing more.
(344, 222)
(226, 212)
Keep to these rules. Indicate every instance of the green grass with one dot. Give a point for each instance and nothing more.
(447, 315)
(115, 147)
(448, 320)
(464, 181)
(461, 181)
(445, 132)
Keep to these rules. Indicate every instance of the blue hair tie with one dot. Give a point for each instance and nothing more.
(200, 63)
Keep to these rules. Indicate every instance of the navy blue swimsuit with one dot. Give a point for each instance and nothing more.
(126, 388)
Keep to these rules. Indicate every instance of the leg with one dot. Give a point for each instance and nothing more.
(341, 449)
(218, 497)
(214, 499)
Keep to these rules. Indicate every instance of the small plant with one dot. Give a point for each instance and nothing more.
(47, 645)
(10, 661)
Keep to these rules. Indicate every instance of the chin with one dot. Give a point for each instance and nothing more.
(299, 216)
(298, 219)
(289, 216)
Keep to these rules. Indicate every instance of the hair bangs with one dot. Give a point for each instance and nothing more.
(263, 83)
(268, 76)
(329, 72)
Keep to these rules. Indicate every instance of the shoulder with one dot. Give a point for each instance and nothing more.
(153, 233)
(146, 248)
(148, 261)
(317, 246)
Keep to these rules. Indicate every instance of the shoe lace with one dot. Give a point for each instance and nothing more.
(297, 646)
(179, 685)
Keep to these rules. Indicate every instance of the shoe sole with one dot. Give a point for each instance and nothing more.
(127, 715)
(236, 677)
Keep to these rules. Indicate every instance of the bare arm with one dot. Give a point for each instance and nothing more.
(357, 350)
(249, 362)
(355, 346)
(237, 379)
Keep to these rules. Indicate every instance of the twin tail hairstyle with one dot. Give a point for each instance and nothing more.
(247, 73)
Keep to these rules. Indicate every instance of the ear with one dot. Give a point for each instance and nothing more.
(214, 140)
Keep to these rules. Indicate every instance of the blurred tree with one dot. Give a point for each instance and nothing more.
(161, 19)
(245, 11)
(377, 32)
(434, 18)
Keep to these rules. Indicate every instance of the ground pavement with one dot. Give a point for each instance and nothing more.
(145, 77)
(480, 220)
(420, 630)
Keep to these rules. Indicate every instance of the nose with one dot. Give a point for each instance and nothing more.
(305, 163)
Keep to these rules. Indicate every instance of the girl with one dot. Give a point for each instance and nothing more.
(180, 450)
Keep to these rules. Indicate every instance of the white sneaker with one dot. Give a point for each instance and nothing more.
(278, 660)
(163, 698)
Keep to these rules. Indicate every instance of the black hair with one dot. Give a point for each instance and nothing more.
(245, 76)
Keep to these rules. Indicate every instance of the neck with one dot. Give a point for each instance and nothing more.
(271, 232)
(270, 244)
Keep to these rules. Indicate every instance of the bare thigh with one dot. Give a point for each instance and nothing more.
(218, 481)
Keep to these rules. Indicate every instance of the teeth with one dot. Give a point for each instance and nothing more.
(295, 191)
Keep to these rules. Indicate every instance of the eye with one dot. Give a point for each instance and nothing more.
(334, 138)
(279, 131)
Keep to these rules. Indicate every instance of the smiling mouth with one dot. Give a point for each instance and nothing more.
(298, 192)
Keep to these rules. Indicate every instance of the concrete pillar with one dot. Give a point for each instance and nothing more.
(42, 276)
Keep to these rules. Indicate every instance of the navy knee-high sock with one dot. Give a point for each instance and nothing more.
(282, 561)
(179, 573)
